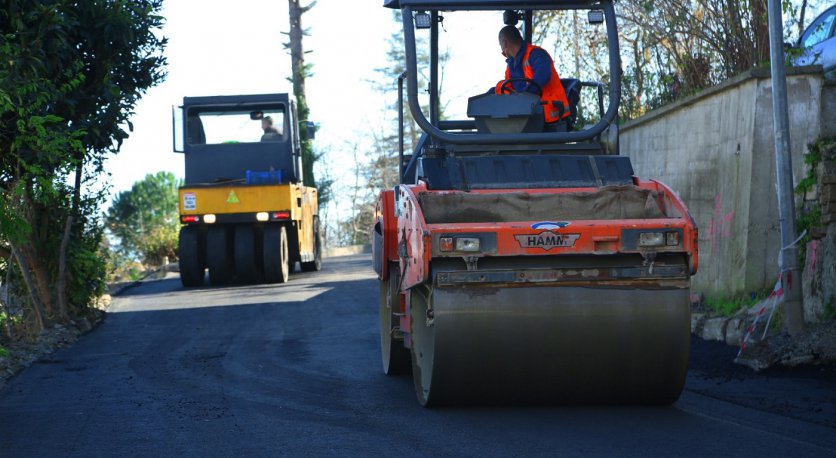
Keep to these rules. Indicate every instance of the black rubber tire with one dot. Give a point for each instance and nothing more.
(276, 254)
(218, 258)
(247, 265)
(316, 264)
(395, 357)
(190, 259)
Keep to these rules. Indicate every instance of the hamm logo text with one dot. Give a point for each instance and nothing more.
(547, 240)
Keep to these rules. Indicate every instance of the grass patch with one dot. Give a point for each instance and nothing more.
(727, 306)
(4, 353)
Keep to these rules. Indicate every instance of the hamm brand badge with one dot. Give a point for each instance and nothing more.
(549, 225)
(548, 238)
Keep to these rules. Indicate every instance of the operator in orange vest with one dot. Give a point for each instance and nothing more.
(528, 61)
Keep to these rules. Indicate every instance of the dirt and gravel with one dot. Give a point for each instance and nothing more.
(805, 392)
(22, 354)
(815, 346)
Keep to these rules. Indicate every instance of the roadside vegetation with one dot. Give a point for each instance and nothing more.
(72, 73)
(144, 222)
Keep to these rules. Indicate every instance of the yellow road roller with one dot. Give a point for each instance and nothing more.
(246, 215)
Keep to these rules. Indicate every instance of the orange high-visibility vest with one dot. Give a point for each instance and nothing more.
(553, 92)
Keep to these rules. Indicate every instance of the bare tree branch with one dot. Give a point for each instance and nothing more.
(305, 9)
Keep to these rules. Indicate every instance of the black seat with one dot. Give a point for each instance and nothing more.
(195, 134)
(572, 87)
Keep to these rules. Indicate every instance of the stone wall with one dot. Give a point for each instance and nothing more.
(819, 283)
(716, 149)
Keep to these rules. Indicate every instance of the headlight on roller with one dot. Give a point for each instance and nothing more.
(468, 244)
(651, 239)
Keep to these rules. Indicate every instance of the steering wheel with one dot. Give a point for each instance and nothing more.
(510, 89)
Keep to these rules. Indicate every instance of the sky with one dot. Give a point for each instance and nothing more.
(215, 48)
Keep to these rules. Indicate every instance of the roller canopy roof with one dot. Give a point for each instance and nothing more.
(485, 4)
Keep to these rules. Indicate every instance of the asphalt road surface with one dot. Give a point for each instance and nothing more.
(294, 369)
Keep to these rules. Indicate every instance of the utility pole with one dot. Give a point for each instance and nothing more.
(300, 71)
(788, 259)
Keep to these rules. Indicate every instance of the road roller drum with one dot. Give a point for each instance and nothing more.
(549, 344)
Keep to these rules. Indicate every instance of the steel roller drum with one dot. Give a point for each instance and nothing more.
(550, 344)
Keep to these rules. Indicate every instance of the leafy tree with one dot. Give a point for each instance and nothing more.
(145, 219)
(71, 75)
(670, 49)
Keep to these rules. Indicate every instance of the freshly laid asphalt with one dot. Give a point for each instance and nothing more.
(294, 369)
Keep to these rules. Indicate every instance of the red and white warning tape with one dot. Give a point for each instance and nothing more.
(772, 300)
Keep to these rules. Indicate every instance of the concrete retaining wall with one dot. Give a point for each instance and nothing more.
(716, 149)
(336, 251)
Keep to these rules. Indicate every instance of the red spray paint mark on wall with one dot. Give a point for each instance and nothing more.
(720, 224)
(813, 256)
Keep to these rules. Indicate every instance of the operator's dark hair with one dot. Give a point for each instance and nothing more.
(511, 33)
